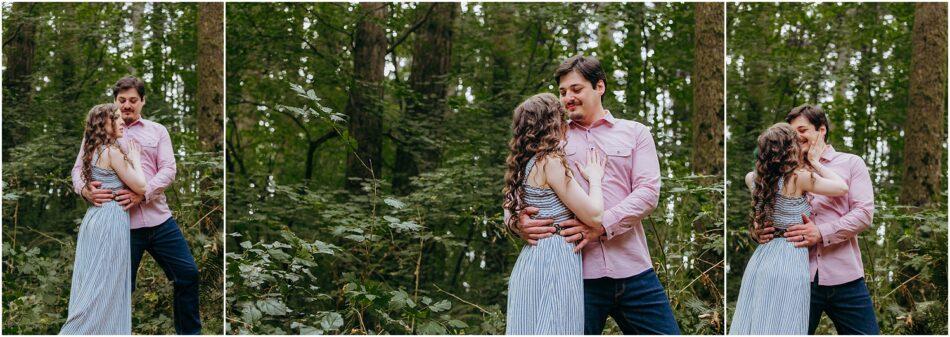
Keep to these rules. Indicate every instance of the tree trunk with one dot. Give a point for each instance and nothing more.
(708, 89)
(157, 20)
(633, 65)
(499, 20)
(924, 126)
(17, 75)
(431, 63)
(364, 106)
(210, 70)
(137, 62)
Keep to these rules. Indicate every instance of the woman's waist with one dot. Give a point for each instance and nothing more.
(108, 205)
(557, 212)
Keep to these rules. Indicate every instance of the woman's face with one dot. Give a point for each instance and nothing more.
(117, 127)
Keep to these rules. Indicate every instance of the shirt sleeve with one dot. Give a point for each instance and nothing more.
(166, 168)
(861, 201)
(76, 173)
(645, 187)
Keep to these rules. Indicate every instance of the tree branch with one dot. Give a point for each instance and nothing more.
(402, 37)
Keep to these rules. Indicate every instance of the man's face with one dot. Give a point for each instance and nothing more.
(578, 97)
(807, 132)
(130, 105)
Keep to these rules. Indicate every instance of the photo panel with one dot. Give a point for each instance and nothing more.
(113, 168)
(375, 148)
(836, 137)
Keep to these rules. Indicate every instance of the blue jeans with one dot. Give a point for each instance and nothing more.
(848, 305)
(637, 303)
(168, 247)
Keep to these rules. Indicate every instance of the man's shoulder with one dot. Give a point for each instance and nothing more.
(631, 124)
(154, 125)
(845, 158)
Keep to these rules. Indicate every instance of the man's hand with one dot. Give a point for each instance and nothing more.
(764, 235)
(575, 231)
(532, 230)
(805, 234)
(95, 195)
(128, 199)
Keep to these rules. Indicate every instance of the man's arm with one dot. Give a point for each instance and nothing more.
(530, 230)
(78, 182)
(645, 189)
(167, 169)
(861, 199)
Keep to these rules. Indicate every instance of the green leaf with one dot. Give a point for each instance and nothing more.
(400, 299)
(457, 324)
(394, 203)
(440, 306)
(331, 321)
(251, 314)
(272, 306)
(431, 328)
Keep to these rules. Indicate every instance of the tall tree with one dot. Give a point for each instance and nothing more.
(431, 62)
(364, 106)
(20, 48)
(210, 99)
(210, 90)
(708, 68)
(924, 126)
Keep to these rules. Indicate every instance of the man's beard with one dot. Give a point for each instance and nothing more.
(128, 120)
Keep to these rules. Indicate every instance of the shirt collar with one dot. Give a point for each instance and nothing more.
(137, 122)
(608, 119)
(829, 152)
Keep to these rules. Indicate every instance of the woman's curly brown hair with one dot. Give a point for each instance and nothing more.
(779, 155)
(96, 137)
(538, 127)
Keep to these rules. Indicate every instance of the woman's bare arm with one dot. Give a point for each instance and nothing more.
(131, 174)
(588, 208)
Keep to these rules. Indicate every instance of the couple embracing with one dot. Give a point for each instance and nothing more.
(577, 184)
(123, 168)
(809, 203)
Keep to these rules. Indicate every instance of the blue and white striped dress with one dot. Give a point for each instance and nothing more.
(100, 298)
(775, 291)
(546, 288)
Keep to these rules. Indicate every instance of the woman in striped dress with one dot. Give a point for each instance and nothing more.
(100, 297)
(775, 291)
(545, 290)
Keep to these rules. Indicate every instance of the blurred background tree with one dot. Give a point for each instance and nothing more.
(60, 60)
(879, 72)
(366, 146)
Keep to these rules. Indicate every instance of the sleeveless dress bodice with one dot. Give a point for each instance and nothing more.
(100, 296)
(775, 292)
(547, 283)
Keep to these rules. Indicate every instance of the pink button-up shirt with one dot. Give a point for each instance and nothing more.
(631, 189)
(837, 259)
(158, 164)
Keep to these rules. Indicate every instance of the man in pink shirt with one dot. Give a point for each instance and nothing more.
(838, 286)
(619, 280)
(153, 228)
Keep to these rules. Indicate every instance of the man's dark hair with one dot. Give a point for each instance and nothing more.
(589, 67)
(814, 114)
(127, 83)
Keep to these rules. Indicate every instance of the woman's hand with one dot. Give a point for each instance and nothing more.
(135, 151)
(815, 150)
(594, 170)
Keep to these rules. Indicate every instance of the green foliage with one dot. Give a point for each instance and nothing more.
(437, 260)
(80, 51)
(854, 60)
